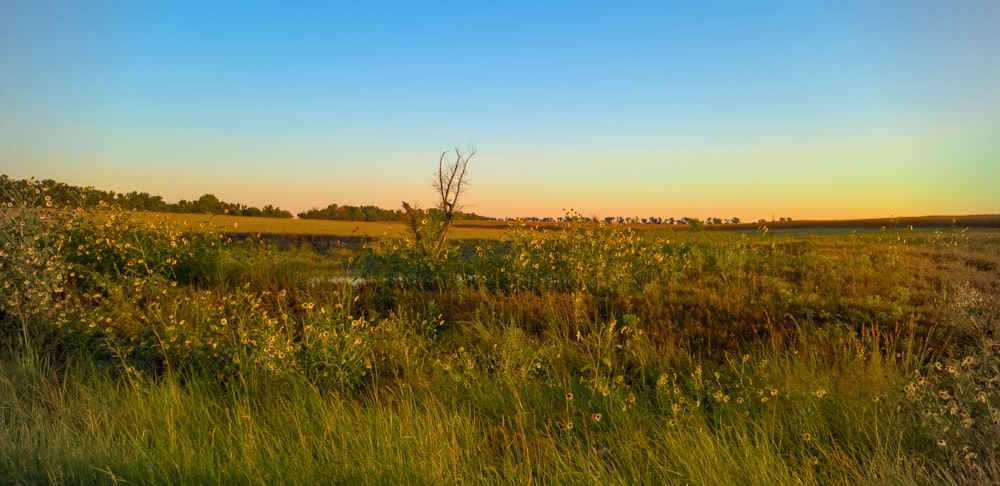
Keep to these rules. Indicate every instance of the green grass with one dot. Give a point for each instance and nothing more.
(146, 352)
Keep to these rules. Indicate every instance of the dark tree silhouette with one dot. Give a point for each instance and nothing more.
(450, 183)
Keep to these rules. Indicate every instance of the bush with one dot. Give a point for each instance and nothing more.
(33, 267)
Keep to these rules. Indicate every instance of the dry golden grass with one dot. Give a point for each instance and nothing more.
(314, 227)
(963, 221)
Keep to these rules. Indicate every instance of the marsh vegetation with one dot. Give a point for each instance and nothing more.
(150, 351)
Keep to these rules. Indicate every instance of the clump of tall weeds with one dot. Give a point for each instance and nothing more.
(34, 241)
(576, 256)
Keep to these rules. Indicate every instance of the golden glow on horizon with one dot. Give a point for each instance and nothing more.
(951, 174)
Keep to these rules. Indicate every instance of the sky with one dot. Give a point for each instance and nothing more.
(803, 109)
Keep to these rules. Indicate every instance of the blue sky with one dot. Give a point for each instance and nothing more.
(725, 108)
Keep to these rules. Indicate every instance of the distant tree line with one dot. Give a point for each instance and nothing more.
(66, 195)
(353, 213)
(62, 194)
(374, 213)
(687, 220)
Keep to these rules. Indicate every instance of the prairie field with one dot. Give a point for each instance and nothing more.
(158, 349)
(311, 227)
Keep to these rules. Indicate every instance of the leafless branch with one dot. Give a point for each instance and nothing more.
(450, 184)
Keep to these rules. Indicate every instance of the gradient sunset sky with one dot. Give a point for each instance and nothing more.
(806, 109)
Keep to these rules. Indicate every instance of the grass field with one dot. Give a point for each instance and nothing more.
(312, 227)
(146, 350)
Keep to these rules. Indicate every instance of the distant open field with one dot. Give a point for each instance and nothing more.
(313, 227)
(918, 222)
(495, 229)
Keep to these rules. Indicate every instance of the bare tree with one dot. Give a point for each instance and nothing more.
(450, 183)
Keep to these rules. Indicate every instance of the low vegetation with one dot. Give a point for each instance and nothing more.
(149, 350)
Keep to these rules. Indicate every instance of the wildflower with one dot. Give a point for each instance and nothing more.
(942, 443)
(569, 425)
(944, 394)
(569, 396)
(820, 393)
(806, 437)
(596, 417)
(774, 392)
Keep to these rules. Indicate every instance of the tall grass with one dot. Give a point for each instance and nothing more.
(153, 353)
